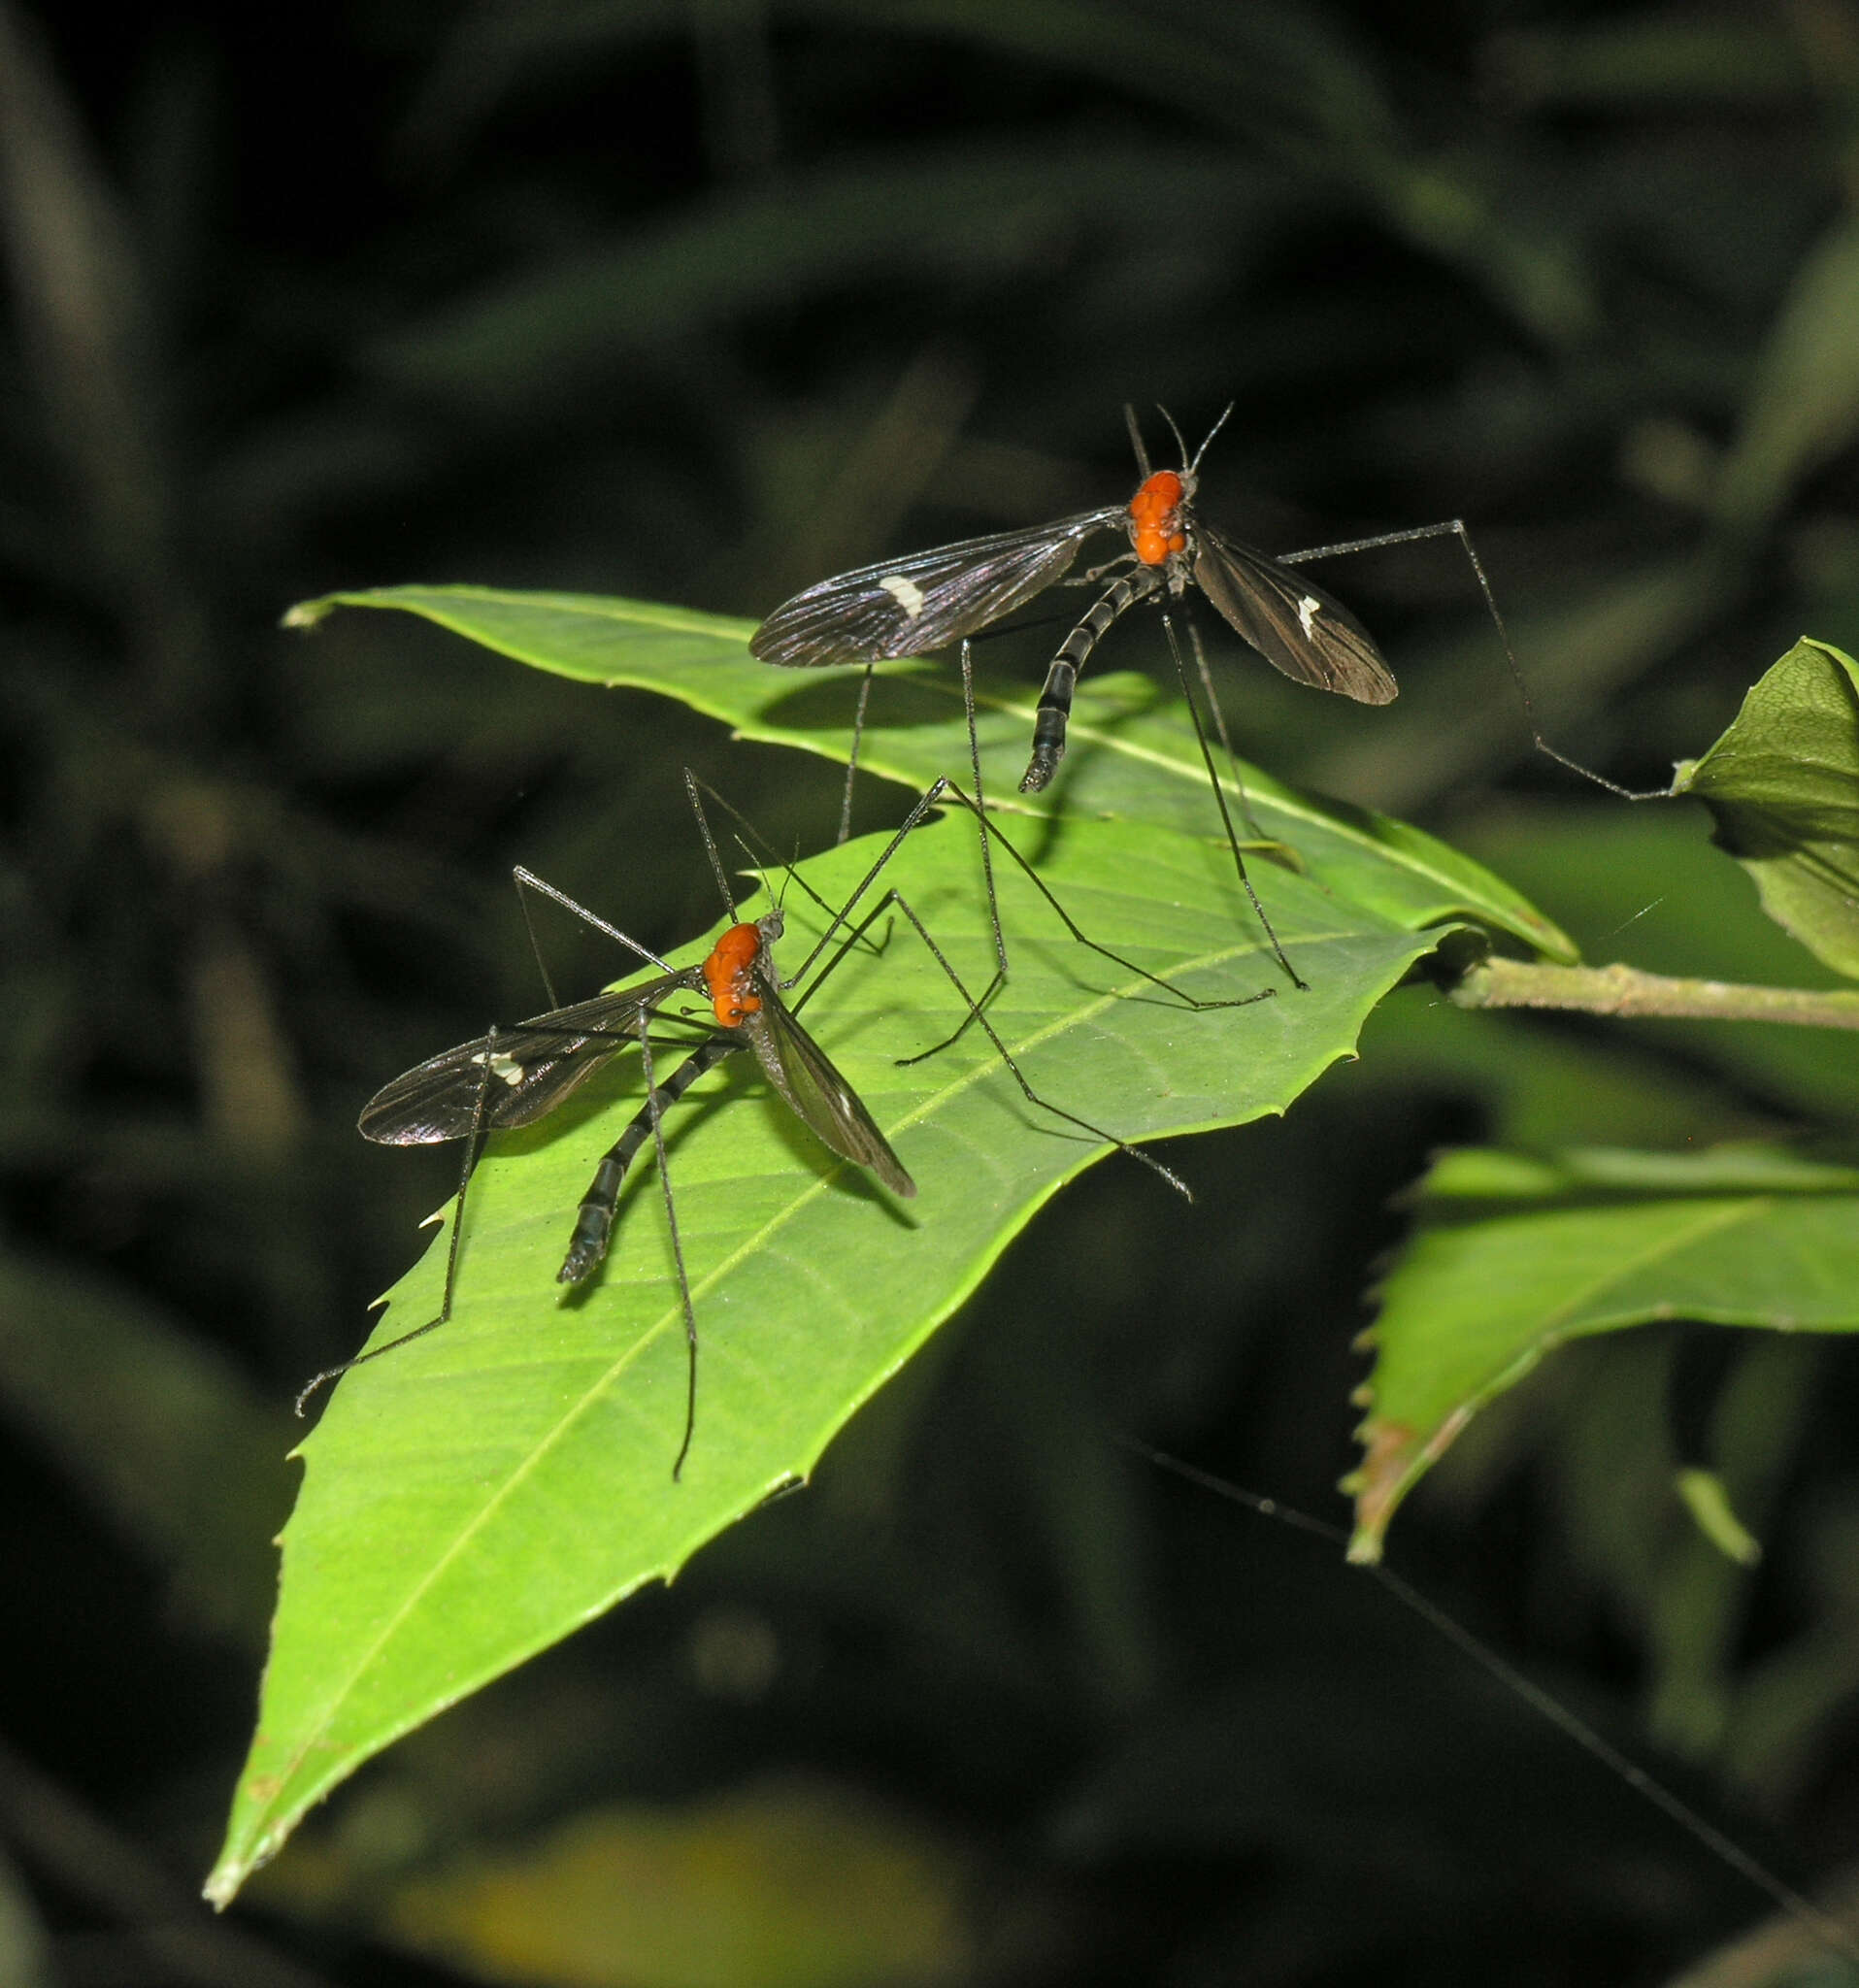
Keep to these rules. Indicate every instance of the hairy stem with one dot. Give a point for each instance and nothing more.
(1626, 990)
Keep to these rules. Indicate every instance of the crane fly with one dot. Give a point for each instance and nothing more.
(907, 606)
(514, 1077)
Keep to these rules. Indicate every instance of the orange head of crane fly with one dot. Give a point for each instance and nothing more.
(729, 974)
(1156, 530)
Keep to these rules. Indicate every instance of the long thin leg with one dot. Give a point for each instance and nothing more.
(475, 1141)
(1055, 711)
(939, 790)
(710, 843)
(944, 790)
(1454, 528)
(474, 1147)
(1219, 797)
(1139, 584)
(526, 880)
(1074, 929)
(594, 1219)
(1032, 1096)
(980, 815)
(1206, 674)
(918, 811)
(852, 760)
(920, 808)
(854, 934)
(754, 844)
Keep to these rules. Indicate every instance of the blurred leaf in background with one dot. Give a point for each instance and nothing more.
(696, 304)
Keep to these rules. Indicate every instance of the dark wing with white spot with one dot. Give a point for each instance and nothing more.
(533, 1068)
(1294, 626)
(819, 1096)
(907, 606)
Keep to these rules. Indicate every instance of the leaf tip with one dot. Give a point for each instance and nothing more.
(1379, 1483)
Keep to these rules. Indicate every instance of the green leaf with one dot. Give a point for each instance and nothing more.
(1517, 1254)
(1707, 1497)
(1783, 785)
(1132, 757)
(482, 1492)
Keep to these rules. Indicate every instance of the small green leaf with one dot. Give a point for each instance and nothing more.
(482, 1492)
(1517, 1254)
(1132, 757)
(1783, 785)
(1708, 1499)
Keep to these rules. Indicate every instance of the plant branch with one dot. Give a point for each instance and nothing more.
(1626, 990)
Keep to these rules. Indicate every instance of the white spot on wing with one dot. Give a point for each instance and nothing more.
(1309, 610)
(904, 592)
(502, 1066)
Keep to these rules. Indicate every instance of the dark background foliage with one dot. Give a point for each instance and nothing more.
(697, 303)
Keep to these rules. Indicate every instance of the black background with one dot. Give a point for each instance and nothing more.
(699, 303)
